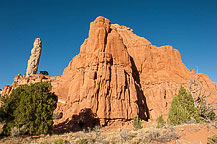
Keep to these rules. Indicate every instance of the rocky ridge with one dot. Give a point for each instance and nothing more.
(22, 79)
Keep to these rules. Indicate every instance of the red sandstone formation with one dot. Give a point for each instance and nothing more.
(119, 75)
(103, 77)
(22, 79)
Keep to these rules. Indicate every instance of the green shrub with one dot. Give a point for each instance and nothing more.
(82, 141)
(30, 107)
(211, 115)
(160, 122)
(212, 139)
(137, 123)
(182, 108)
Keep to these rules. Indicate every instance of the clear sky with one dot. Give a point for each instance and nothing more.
(188, 25)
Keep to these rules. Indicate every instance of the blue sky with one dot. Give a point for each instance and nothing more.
(188, 25)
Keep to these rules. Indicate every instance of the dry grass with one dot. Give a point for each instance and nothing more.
(123, 136)
(162, 135)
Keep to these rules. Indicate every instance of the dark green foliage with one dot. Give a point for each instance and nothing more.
(211, 115)
(160, 122)
(2, 110)
(137, 123)
(212, 139)
(30, 107)
(182, 108)
(44, 72)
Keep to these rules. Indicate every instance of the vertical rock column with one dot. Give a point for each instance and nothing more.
(33, 61)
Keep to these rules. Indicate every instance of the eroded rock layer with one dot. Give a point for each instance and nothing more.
(22, 79)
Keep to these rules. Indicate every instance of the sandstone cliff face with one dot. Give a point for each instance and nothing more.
(119, 75)
(33, 61)
(103, 77)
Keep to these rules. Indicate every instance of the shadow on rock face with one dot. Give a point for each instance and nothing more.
(84, 120)
(142, 104)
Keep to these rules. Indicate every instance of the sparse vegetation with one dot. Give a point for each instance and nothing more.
(149, 134)
(82, 141)
(161, 135)
(137, 122)
(212, 139)
(29, 110)
(125, 134)
(61, 141)
(160, 122)
(182, 108)
(200, 93)
(207, 111)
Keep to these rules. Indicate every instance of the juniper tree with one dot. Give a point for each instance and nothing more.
(182, 108)
(30, 108)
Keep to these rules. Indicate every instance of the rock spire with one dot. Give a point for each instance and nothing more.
(33, 61)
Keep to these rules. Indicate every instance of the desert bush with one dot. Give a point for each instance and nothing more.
(160, 122)
(212, 139)
(30, 107)
(44, 143)
(18, 131)
(215, 124)
(137, 123)
(211, 115)
(125, 134)
(61, 141)
(57, 116)
(200, 94)
(182, 108)
(207, 110)
(161, 135)
(82, 141)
